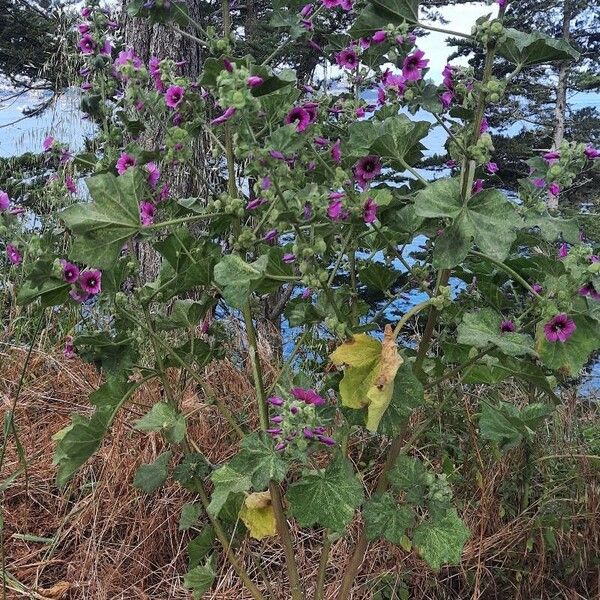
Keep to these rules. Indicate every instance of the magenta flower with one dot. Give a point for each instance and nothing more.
(69, 348)
(147, 213)
(128, 57)
(366, 169)
(306, 294)
(413, 65)
(14, 256)
(379, 37)
(347, 58)
(153, 174)
(591, 153)
(335, 210)
(154, 70)
(275, 401)
(554, 189)
(539, 183)
(336, 152)
(563, 251)
(298, 116)
(255, 203)
(4, 201)
(70, 272)
(87, 44)
(507, 326)
(174, 96)
(492, 168)
(288, 258)
(502, 3)
(370, 211)
(381, 96)
(447, 99)
(484, 125)
(265, 182)
(78, 295)
(107, 48)
(552, 157)
(70, 184)
(306, 11)
(270, 236)
(229, 112)
(90, 281)
(477, 186)
(308, 396)
(311, 109)
(254, 81)
(589, 290)
(559, 329)
(125, 162)
(86, 11)
(360, 112)
(345, 5)
(48, 143)
(330, 3)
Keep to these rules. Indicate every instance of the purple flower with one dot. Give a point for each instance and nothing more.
(4, 201)
(336, 152)
(347, 58)
(300, 117)
(274, 431)
(69, 349)
(107, 48)
(275, 401)
(345, 5)
(90, 281)
(83, 28)
(370, 211)
(502, 3)
(537, 288)
(78, 295)
(559, 329)
(321, 141)
(255, 203)
(277, 419)
(492, 168)
(311, 109)
(270, 236)
(554, 189)
(591, 153)
(446, 99)
(174, 96)
(288, 258)
(413, 65)
(125, 162)
(14, 256)
(254, 81)
(539, 183)
(477, 186)
(507, 326)
(70, 272)
(153, 174)
(325, 439)
(379, 36)
(128, 57)
(330, 3)
(563, 251)
(48, 143)
(70, 184)
(306, 294)
(589, 290)
(484, 125)
(360, 112)
(86, 11)
(224, 117)
(366, 169)
(87, 44)
(552, 156)
(306, 10)
(308, 396)
(335, 210)
(147, 213)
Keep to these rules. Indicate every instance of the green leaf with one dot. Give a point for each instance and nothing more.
(571, 356)
(441, 540)
(77, 442)
(166, 418)
(200, 546)
(534, 48)
(199, 580)
(103, 226)
(386, 519)
(327, 497)
(113, 354)
(508, 426)
(378, 276)
(237, 279)
(553, 228)
(192, 467)
(189, 515)
(380, 13)
(226, 481)
(52, 292)
(481, 328)
(150, 477)
(408, 475)
(489, 219)
(259, 460)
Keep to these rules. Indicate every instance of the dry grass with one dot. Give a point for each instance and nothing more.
(108, 541)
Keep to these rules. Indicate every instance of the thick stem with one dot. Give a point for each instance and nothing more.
(320, 588)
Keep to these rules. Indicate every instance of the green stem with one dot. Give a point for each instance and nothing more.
(276, 500)
(409, 314)
(506, 269)
(189, 219)
(414, 172)
(447, 31)
(325, 549)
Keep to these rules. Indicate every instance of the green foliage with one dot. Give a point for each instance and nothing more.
(327, 497)
(199, 579)
(189, 515)
(237, 278)
(534, 48)
(226, 481)
(150, 477)
(386, 519)
(165, 418)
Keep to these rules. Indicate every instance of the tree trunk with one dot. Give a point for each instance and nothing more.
(560, 109)
(193, 179)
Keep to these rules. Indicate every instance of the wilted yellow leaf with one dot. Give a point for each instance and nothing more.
(56, 592)
(369, 373)
(258, 516)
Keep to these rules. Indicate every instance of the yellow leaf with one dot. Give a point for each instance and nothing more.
(258, 516)
(369, 373)
(359, 351)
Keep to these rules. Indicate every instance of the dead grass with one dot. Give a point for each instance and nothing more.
(107, 541)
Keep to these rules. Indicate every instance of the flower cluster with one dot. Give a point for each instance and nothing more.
(84, 283)
(296, 423)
